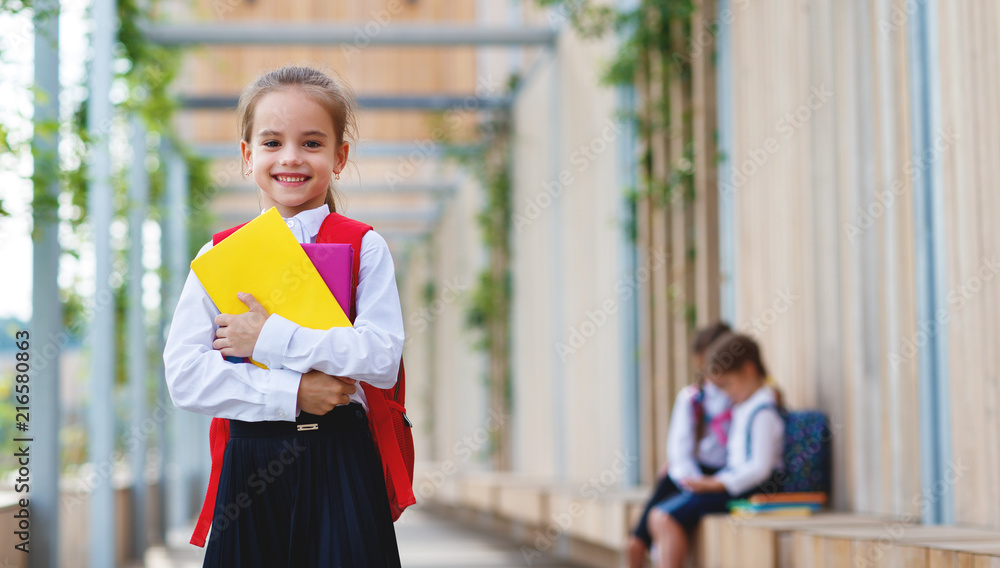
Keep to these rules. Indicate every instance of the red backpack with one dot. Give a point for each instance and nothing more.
(390, 428)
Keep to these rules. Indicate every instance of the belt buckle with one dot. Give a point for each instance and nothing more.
(304, 427)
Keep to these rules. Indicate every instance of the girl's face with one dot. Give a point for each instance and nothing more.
(293, 151)
(736, 382)
(726, 382)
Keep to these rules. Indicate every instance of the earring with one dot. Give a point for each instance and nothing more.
(337, 177)
(249, 170)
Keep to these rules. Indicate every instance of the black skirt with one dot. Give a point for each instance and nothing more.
(303, 494)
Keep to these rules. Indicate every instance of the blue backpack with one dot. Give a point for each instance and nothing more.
(807, 453)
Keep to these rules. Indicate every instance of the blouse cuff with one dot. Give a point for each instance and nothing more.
(733, 483)
(282, 401)
(682, 471)
(272, 343)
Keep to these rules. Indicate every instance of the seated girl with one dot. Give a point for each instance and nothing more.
(753, 451)
(696, 441)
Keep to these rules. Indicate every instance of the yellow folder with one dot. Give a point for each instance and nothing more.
(264, 259)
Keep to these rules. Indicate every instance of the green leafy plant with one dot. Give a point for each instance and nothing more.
(146, 71)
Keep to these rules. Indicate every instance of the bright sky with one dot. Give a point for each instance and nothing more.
(16, 76)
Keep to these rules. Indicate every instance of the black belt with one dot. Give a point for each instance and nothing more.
(338, 417)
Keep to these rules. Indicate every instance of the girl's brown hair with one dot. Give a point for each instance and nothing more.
(707, 335)
(731, 352)
(703, 338)
(329, 92)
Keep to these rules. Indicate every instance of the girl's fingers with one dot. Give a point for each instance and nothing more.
(222, 332)
(250, 301)
(222, 320)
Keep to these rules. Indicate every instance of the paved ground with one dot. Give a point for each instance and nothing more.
(426, 540)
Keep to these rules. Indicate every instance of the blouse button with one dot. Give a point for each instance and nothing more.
(290, 223)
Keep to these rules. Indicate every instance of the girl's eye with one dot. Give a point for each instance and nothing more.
(313, 144)
(272, 143)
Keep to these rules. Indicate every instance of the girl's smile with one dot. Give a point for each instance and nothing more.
(291, 180)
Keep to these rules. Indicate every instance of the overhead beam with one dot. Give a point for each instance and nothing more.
(408, 188)
(354, 36)
(427, 217)
(469, 103)
(394, 236)
(421, 148)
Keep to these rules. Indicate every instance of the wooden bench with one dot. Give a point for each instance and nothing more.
(890, 545)
(836, 540)
(594, 530)
(962, 554)
(725, 541)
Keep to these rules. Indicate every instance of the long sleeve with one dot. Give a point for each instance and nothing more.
(200, 380)
(767, 433)
(370, 351)
(681, 444)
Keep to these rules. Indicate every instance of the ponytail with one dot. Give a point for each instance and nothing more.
(331, 197)
(704, 338)
(778, 398)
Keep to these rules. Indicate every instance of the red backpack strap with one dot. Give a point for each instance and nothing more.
(398, 473)
(218, 436)
(339, 229)
(218, 237)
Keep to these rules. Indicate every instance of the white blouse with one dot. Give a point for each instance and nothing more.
(200, 380)
(767, 443)
(684, 453)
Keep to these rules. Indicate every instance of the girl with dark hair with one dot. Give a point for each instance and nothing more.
(753, 451)
(696, 441)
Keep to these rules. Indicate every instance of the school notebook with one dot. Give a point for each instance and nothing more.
(333, 262)
(264, 259)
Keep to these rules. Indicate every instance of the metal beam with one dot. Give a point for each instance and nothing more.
(931, 262)
(414, 188)
(136, 328)
(47, 333)
(352, 36)
(370, 150)
(374, 217)
(468, 103)
(175, 228)
(627, 168)
(100, 409)
(395, 237)
(557, 291)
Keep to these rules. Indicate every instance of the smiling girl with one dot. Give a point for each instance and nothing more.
(321, 499)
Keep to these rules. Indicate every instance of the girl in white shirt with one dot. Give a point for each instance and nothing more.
(290, 495)
(696, 441)
(734, 362)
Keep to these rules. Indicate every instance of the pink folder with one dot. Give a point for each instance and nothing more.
(333, 261)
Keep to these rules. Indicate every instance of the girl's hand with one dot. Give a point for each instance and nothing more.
(703, 485)
(319, 392)
(237, 334)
